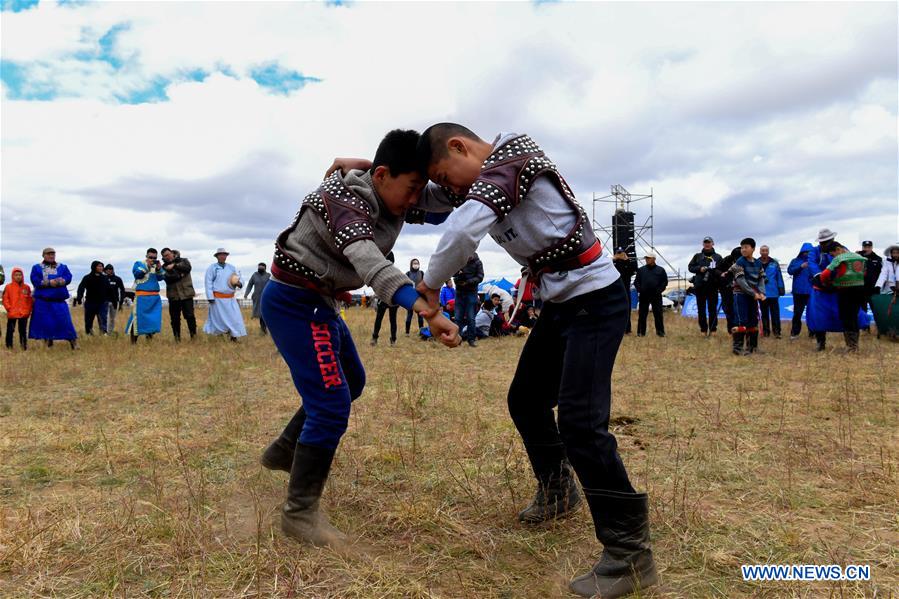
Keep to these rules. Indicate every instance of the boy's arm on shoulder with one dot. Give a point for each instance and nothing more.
(468, 225)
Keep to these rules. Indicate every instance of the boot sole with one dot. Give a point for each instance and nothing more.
(271, 465)
(621, 586)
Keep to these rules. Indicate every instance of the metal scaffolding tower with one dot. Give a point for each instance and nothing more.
(623, 222)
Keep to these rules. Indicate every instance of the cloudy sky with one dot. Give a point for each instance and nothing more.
(199, 125)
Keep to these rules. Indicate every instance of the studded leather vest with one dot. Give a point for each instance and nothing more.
(347, 216)
(506, 178)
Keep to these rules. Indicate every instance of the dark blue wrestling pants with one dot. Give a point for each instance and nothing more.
(321, 355)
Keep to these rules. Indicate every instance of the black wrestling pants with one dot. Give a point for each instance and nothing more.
(567, 362)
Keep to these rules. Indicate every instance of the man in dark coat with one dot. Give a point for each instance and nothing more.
(467, 281)
(179, 289)
(115, 296)
(872, 273)
(626, 268)
(92, 293)
(651, 281)
(703, 266)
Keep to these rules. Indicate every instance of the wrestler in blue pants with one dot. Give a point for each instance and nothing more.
(327, 373)
(324, 364)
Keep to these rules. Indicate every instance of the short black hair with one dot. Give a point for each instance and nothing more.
(109, 267)
(493, 295)
(829, 246)
(487, 304)
(748, 241)
(397, 152)
(164, 250)
(151, 251)
(432, 143)
(262, 264)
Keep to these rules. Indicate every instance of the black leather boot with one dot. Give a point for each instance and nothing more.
(753, 339)
(279, 454)
(557, 496)
(622, 526)
(738, 343)
(301, 517)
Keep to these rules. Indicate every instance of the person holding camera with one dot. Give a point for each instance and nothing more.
(179, 289)
(703, 265)
(146, 311)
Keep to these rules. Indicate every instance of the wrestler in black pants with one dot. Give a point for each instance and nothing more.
(567, 362)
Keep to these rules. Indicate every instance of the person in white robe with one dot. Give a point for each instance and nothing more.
(224, 312)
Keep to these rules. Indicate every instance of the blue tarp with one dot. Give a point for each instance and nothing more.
(786, 311)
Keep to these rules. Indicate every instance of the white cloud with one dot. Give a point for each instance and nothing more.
(744, 118)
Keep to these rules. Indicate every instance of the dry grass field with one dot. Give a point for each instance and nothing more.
(132, 471)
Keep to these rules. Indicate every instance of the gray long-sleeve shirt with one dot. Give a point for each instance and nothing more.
(541, 219)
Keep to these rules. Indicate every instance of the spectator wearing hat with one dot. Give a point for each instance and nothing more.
(224, 312)
(705, 283)
(256, 284)
(774, 288)
(179, 289)
(846, 276)
(115, 296)
(651, 281)
(51, 319)
(146, 311)
(872, 271)
(822, 303)
(626, 268)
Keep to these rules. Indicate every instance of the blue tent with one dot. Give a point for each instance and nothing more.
(501, 283)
